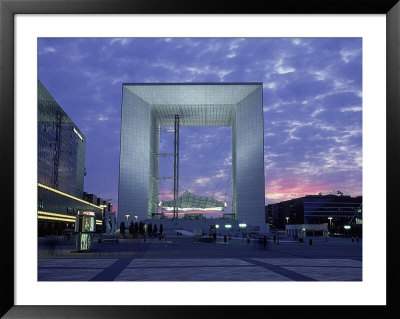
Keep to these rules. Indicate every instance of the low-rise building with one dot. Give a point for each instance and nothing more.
(334, 210)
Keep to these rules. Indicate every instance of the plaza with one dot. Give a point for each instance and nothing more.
(182, 258)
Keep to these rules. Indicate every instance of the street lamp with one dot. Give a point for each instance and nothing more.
(127, 217)
(287, 220)
(330, 222)
(347, 227)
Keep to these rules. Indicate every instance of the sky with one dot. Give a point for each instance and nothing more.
(312, 101)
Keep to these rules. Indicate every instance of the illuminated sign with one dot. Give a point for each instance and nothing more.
(110, 223)
(87, 213)
(88, 224)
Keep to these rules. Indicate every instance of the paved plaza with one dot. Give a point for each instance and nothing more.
(183, 259)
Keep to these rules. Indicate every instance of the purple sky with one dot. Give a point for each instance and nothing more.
(312, 107)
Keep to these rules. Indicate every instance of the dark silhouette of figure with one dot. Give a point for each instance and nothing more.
(260, 243)
(52, 244)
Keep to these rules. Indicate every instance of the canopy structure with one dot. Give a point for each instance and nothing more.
(189, 201)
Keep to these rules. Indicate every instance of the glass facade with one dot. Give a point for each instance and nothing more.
(317, 209)
(61, 147)
(335, 211)
(147, 107)
(61, 168)
(57, 211)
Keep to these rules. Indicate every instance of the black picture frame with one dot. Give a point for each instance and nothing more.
(8, 10)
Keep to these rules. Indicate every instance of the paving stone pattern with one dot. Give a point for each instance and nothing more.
(184, 260)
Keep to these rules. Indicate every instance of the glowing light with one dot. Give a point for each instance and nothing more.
(194, 208)
(56, 219)
(57, 215)
(228, 226)
(347, 226)
(216, 226)
(187, 201)
(242, 225)
(77, 133)
(87, 213)
(67, 195)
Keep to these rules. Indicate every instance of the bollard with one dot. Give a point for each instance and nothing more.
(310, 241)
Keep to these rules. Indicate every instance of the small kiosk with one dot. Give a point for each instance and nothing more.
(85, 225)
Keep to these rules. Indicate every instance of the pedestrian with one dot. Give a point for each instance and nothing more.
(260, 243)
(52, 244)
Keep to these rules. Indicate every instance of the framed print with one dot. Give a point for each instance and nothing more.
(208, 64)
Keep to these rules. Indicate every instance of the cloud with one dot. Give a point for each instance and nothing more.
(121, 41)
(351, 109)
(202, 181)
(348, 55)
(46, 50)
(312, 101)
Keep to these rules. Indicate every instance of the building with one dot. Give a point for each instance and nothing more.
(61, 147)
(61, 167)
(334, 210)
(147, 107)
(57, 210)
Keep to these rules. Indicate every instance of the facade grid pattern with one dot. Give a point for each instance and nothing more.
(61, 147)
(147, 107)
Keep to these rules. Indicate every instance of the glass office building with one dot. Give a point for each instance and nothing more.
(334, 210)
(61, 168)
(147, 107)
(61, 147)
(57, 210)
